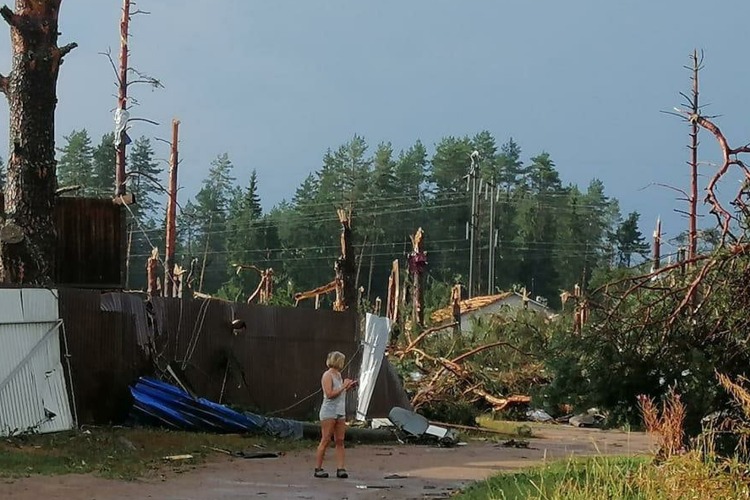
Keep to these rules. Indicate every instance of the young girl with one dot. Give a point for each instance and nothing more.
(333, 413)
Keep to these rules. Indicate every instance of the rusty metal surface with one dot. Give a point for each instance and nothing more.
(272, 366)
(104, 357)
(90, 243)
(132, 305)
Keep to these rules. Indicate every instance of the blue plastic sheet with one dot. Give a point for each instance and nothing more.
(162, 404)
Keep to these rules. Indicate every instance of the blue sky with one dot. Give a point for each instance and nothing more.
(275, 83)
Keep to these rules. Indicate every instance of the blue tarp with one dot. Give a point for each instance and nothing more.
(159, 403)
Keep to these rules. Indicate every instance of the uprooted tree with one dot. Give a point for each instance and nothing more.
(27, 237)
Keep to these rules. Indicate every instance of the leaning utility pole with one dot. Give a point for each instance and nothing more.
(472, 181)
(121, 114)
(169, 278)
(694, 128)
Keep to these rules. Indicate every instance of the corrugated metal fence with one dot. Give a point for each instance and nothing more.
(273, 365)
(90, 248)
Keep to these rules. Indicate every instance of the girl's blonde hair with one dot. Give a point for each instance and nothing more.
(336, 360)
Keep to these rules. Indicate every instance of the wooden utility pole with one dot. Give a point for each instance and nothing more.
(27, 233)
(694, 128)
(169, 278)
(121, 113)
(417, 267)
(493, 238)
(472, 181)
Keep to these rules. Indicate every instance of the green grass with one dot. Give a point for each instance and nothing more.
(688, 476)
(510, 429)
(121, 453)
(582, 479)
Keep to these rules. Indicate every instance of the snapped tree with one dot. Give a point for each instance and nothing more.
(27, 237)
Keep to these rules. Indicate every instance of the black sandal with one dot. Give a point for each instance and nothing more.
(341, 473)
(320, 473)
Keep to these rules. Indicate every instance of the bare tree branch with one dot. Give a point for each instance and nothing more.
(108, 55)
(10, 17)
(66, 49)
(138, 119)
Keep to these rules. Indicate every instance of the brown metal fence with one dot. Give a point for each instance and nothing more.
(273, 365)
(270, 365)
(104, 357)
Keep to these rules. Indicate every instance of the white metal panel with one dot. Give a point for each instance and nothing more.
(33, 391)
(28, 305)
(377, 331)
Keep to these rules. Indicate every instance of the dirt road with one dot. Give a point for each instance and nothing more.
(423, 472)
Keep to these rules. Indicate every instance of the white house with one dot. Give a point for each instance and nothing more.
(488, 305)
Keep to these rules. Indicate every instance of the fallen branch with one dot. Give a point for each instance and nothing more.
(421, 337)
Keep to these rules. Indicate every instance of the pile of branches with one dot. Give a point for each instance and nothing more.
(445, 366)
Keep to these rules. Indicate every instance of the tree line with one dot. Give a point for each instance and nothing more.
(548, 235)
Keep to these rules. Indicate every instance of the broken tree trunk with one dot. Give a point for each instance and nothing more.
(417, 267)
(151, 272)
(345, 267)
(393, 293)
(27, 237)
(169, 277)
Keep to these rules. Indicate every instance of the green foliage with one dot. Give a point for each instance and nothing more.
(640, 341)
(75, 165)
(550, 236)
(629, 240)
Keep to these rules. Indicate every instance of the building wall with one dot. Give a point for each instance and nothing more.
(510, 303)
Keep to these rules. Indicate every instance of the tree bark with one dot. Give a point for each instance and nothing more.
(28, 236)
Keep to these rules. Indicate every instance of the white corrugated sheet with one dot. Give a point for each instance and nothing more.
(377, 330)
(33, 391)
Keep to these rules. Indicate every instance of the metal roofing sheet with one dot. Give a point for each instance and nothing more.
(33, 392)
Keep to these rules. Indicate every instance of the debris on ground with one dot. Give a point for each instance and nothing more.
(539, 416)
(415, 427)
(176, 458)
(256, 454)
(591, 418)
(512, 443)
(395, 476)
(161, 404)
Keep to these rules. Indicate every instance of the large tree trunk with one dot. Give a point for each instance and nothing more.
(27, 238)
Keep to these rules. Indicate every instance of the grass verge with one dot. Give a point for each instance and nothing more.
(122, 453)
(630, 478)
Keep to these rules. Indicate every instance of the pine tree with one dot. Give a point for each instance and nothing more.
(212, 208)
(144, 180)
(104, 156)
(75, 166)
(630, 241)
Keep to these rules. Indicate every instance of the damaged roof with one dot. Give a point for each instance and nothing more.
(468, 305)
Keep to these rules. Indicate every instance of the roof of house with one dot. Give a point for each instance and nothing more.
(467, 306)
